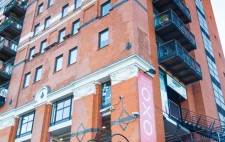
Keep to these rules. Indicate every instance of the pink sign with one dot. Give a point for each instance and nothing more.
(147, 109)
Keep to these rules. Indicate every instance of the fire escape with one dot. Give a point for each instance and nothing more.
(10, 30)
(181, 125)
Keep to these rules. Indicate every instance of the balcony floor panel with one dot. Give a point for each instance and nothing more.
(170, 32)
(163, 5)
(10, 32)
(6, 53)
(180, 69)
(16, 10)
(4, 77)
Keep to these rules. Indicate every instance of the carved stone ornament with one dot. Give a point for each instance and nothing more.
(6, 122)
(41, 95)
(124, 74)
(85, 90)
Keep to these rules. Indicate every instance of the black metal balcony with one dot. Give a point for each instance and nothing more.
(176, 5)
(11, 28)
(8, 49)
(169, 26)
(177, 60)
(6, 71)
(16, 7)
(3, 94)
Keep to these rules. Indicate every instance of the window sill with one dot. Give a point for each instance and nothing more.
(103, 47)
(64, 17)
(46, 28)
(48, 7)
(104, 15)
(71, 64)
(57, 71)
(36, 81)
(25, 87)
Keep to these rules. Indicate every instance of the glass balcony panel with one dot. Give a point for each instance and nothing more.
(3, 94)
(16, 7)
(10, 28)
(8, 49)
(169, 26)
(177, 5)
(5, 71)
(177, 60)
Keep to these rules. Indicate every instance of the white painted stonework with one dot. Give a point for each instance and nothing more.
(7, 122)
(85, 90)
(118, 71)
(124, 74)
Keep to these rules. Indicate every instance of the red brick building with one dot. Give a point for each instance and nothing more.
(110, 70)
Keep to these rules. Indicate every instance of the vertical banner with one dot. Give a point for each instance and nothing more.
(147, 109)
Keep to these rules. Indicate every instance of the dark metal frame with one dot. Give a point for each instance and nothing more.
(39, 6)
(36, 71)
(21, 124)
(48, 18)
(63, 8)
(30, 55)
(73, 25)
(25, 78)
(55, 113)
(104, 4)
(62, 30)
(41, 46)
(69, 57)
(99, 38)
(56, 62)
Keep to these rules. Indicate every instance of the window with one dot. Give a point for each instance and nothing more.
(50, 2)
(72, 56)
(26, 80)
(47, 22)
(38, 74)
(62, 35)
(106, 94)
(105, 8)
(31, 53)
(25, 124)
(36, 28)
(65, 10)
(78, 3)
(76, 26)
(103, 38)
(40, 8)
(58, 63)
(43, 46)
(61, 111)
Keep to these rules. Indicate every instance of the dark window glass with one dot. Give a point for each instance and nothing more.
(26, 80)
(50, 2)
(36, 29)
(105, 8)
(76, 26)
(47, 22)
(25, 124)
(43, 46)
(106, 94)
(78, 3)
(61, 111)
(31, 53)
(72, 55)
(38, 74)
(61, 35)
(40, 8)
(103, 38)
(58, 63)
(65, 10)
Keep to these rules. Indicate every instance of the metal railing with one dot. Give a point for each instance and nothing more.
(11, 22)
(7, 43)
(201, 124)
(20, 4)
(180, 4)
(4, 90)
(168, 49)
(7, 68)
(169, 16)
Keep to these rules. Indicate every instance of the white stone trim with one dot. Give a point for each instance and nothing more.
(7, 122)
(124, 74)
(60, 126)
(84, 90)
(130, 64)
(55, 26)
(23, 138)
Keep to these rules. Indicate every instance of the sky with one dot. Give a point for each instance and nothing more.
(219, 12)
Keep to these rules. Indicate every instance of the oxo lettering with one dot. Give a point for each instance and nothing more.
(146, 113)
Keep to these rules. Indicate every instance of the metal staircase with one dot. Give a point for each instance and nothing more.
(201, 127)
